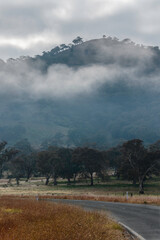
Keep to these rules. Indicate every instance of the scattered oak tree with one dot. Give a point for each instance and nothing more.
(139, 160)
(27, 153)
(6, 155)
(17, 168)
(113, 156)
(48, 164)
(45, 164)
(56, 163)
(65, 160)
(78, 40)
(90, 161)
(2, 157)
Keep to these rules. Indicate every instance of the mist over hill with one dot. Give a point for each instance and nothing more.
(101, 91)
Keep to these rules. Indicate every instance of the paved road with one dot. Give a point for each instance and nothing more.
(143, 219)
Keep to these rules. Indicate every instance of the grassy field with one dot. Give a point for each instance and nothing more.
(28, 219)
(112, 190)
(22, 217)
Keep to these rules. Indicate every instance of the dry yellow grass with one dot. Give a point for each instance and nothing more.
(101, 193)
(29, 219)
(142, 199)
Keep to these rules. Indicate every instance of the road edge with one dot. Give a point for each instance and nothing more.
(131, 231)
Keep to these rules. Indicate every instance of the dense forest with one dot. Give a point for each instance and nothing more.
(103, 91)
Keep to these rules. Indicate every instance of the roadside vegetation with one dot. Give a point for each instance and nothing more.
(154, 200)
(36, 220)
(113, 190)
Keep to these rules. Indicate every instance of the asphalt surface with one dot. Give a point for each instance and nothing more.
(143, 219)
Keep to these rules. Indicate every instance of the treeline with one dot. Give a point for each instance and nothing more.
(130, 161)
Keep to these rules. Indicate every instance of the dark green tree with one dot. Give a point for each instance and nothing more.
(6, 154)
(45, 164)
(17, 169)
(66, 164)
(63, 47)
(29, 164)
(28, 155)
(78, 40)
(155, 147)
(2, 157)
(57, 163)
(90, 161)
(48, 164)
(139, 160)
(113, 158)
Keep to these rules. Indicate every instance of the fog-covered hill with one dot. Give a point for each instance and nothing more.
(102, 91)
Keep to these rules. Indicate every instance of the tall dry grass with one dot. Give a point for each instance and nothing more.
(27, 219)
(141, 199)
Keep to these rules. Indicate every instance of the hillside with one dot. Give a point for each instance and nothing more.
(102, 91)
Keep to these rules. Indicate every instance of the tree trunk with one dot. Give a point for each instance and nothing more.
(47, 180)
(1, 172)
(74, 177)
(17, 180)
(55, 181)
(27, 177)
(9, 181)
(29, 172)
(141, 186)
(69, 181)
(134, 182)
(118, 175)
(91, 179)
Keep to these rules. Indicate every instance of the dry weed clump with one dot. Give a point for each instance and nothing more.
(155, 200)
(29, 219)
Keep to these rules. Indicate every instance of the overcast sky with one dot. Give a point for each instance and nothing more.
(28, 27)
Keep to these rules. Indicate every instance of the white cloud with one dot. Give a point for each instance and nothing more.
(19, 80)
(29, 41)
(148, 17)
(103, 8)
(60, 81)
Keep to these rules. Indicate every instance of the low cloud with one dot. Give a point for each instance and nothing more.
(19, 80)
(60, 81)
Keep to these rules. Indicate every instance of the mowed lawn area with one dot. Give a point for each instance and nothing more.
(29, 219)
